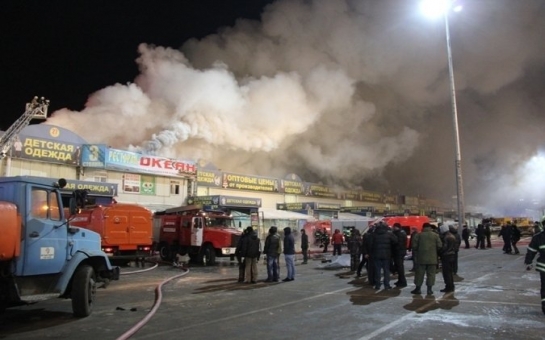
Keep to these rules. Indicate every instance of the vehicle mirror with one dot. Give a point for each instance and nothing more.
(73, 207)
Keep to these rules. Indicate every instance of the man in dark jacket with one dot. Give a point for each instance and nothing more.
(239, 255)
(382, 243)
(399, 253)
(251, 250)
(454, 231)
(465, 236)
(426, 245)
(537, 245)
(273, 249)
(505, 233)
(289, 254)
(515, 237)
(366, 256)
(304, 245)
(414, 232)
(448, 258)
(354, 246)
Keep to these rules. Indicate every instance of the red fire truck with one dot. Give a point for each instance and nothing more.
(407, 223)
(201, 234)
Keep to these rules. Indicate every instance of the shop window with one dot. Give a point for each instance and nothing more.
(174, 188)
(101, 178)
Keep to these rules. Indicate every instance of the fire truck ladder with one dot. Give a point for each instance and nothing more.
(36, 109)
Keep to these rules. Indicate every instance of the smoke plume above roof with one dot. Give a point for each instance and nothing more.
(347, 92)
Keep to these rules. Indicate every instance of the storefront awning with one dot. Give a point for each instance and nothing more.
(273, 214)
(355, 217)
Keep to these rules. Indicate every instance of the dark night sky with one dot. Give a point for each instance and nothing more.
(66, 50)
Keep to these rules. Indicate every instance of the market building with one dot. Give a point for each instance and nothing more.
(159, 183)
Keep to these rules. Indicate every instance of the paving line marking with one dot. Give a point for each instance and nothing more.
(178, 329)
(392, 324)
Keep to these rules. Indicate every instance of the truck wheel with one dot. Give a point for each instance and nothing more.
(208, 256)
(84, 289)
(164, 252)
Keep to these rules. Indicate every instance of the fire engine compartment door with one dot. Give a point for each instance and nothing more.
(196, 231)
(117, 229)
(140, 229)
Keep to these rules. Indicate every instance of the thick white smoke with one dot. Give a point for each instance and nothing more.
(350, 91)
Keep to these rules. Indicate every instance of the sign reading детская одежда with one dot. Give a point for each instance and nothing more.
(135, 162)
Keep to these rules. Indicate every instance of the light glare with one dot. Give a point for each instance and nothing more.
(434, 8)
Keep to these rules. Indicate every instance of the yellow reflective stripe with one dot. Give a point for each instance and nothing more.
(532, 249)
(542, 246)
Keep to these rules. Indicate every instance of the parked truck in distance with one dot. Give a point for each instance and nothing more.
(125, 229)
(201, 234)
(41, 254)
(524, 224)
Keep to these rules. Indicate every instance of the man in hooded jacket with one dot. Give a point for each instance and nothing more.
(273, 249)
(449, 250)
(289, 254)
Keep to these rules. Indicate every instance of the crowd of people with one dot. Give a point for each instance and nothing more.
(382, 251)
(248, 252)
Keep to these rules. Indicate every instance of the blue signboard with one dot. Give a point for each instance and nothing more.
(93, 155)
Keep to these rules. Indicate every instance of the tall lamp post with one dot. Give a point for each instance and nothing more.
(442, 8)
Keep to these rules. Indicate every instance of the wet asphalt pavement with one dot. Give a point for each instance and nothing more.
(495, 298)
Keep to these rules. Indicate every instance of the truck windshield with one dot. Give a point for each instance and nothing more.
(220, 222)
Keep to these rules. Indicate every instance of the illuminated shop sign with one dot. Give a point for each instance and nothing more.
(208, 178)
(48, 143)
(318, 190)
(291, 187)
(250, 183)
(135, 162)
(368, 196)
(48, 150)
(95, 188)
(308, 206)
(93, 155)
(225, 201)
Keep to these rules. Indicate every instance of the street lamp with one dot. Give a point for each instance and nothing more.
(442, 8)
